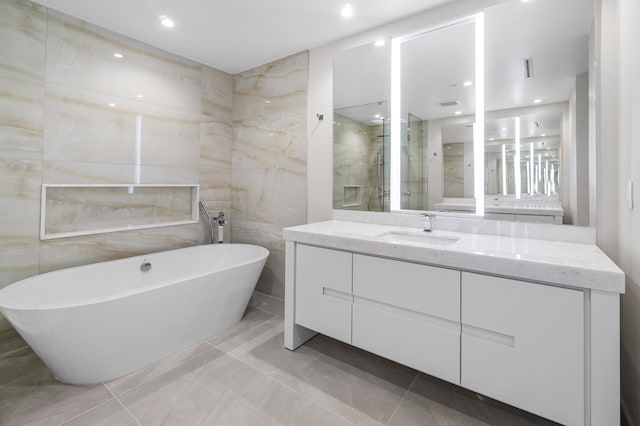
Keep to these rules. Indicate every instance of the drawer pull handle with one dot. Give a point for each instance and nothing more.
(492, 336)
(347, 297)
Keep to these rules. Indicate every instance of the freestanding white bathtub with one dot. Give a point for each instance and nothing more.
(94, 323)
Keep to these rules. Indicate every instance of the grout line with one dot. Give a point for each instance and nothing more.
(122, 405)
(87, 410)
(403, 397)
(9, 353)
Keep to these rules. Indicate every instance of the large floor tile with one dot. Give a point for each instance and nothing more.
(124, 384)
(354, 384)
(431, 401)
(10, 341)
(30, 395)
(273, 305)
(252, 318)
(110, 413)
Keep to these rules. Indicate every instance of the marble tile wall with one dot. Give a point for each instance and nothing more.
(355, 148)
(269, 159)
(71, 112)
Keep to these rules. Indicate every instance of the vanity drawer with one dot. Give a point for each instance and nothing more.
(523, 344)
(420, 288)
(323, 291)
(419, 341)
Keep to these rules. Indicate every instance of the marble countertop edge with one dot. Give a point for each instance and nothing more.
(579, 265)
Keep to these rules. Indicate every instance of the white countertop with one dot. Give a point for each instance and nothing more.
(555, 262)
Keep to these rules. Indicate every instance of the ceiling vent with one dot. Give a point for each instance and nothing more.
(527, 68)
(452, 102)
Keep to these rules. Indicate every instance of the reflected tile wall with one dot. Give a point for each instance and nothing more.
(56, 126)
(269, 159)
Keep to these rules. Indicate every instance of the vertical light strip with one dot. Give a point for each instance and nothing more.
(504, 169)
(478, 128)
(138, 152)
(546, 177)
(531, 178)
(516, 161)
(395, 109)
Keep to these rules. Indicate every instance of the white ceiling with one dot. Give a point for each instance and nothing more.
(236, 35)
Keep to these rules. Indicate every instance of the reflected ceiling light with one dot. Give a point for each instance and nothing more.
(376, 116)
(139, 96)
(118, 55)
(468, 83)
(458, 112)
(166, 21)
(347, 11)
(112, 105)
(537, 101)
(544, 134)
(492, 139)
(380, 42)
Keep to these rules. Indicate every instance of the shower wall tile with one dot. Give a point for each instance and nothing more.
(80, 125)
(80, 55)
(217, 95)
(215, 189)
(22, 40)
(21, 115)
(18, 259)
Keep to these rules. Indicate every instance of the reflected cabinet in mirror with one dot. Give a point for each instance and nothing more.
(489, 114)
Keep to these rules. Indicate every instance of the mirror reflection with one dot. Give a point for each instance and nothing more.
(537, 80)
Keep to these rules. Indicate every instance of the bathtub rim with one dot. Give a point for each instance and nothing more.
(103, 299)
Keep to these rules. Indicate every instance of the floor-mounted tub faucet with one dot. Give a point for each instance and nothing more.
(219, 220)
(428, 217)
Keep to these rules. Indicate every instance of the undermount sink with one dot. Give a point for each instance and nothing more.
(417, 237)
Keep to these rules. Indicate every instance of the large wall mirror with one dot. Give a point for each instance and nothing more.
(537, 117)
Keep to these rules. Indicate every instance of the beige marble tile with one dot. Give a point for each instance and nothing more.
(108, 414)
(215, 189)
(215, 144)
(19, 200)
(124, 384)
(79, 172)
(269, 115)
(22, 40)
(30, 395)
(19, 259)
(217, 95)
(68, 252)
(81, 126)
(80, 54)
(21, 118)
(90, 208)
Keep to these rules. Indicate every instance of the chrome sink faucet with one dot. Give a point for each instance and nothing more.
(428, 217)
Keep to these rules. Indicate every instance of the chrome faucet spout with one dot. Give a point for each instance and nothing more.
(428, 217)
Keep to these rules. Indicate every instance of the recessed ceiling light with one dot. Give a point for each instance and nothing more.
(112, 105)
(347, 11)
(166, 21)
(537, 101)
(118, 55)
(458, 112)
(468, 83)
(380, 42)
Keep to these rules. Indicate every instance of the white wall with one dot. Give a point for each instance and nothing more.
(618, 157)
(320, 91)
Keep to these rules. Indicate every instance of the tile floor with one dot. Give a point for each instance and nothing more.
(244, 376)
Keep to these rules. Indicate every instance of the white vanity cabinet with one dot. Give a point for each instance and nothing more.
(409, 313)
(323, 291)
(524, 344)
(525, 329)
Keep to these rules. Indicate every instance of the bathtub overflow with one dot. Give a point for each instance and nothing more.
(145, 267)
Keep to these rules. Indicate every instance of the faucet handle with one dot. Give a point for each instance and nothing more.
(428, 214)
